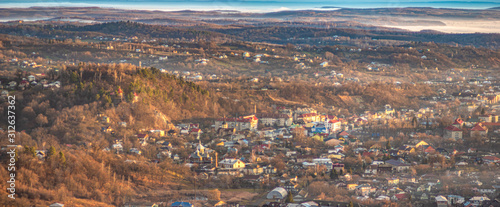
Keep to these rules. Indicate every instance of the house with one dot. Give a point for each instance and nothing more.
(421, 143)
(334, 125)
(397, 166)
(31, 78)
(478, 130)
(230, 163)
(135, 151)
(399, 197)
(301, 196)
(12, 84)
(196, 132)
(5, 93)
(181, 204)
(392, 181)
(485, 118)
(371, 170)
(277, 193)
(459, 123)
(201, 155)
(143, 137)
(275, 119)
(118, 147)
(452, 132)
(253, 170)
(107, 129)
(239, 123)
(40, 154)
(105, 119)
(478, 200)
(141, 204)
(308, 117)
(491, 159)
(342, 134)
(163, 154)
(324, 64)
(455, 199)
(56, 205)
(441, 201)
(352, 186)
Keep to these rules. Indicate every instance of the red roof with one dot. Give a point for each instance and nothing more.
(401, 196)
(458, 121)
(274, 116)
(429, 149)
(333, 121)
(237, 119)
(331, 117)
(490, 124)
(344, 133)
(307, 115)
(142, 136)
(368, 154)
(479, 127)
(491, 158)
(195, 130)
(452, 128)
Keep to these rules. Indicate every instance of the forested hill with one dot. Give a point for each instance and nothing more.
(120, 29)
(271, 34)
(143, 98)
(68, 122)
(282, 35)
(143, 30)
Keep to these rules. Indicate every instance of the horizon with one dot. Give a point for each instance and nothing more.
(252, 6)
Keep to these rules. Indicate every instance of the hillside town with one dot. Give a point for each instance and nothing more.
(138, 108)
(375, 157)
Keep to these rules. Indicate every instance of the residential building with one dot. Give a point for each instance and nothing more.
(241, 123)
(280, 120)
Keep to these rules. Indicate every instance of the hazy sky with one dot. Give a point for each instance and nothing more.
(251, 5)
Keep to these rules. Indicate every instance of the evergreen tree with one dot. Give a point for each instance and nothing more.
(52, 151)
(351, 204)
(388, 145)
(32, 151)
(62, 158)
(334, 175)
(289, 198)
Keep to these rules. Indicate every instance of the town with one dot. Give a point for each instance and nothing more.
(172, 116)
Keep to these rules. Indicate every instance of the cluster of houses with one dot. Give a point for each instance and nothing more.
(27, 82)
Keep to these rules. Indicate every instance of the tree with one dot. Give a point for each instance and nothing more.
(289, 198)
(30, 150)
(62, 158)
(388, 145)
(351, 204)
(334, 175)
(41, 120)
(52, 151)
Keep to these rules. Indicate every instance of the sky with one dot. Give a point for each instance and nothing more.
(250, 5)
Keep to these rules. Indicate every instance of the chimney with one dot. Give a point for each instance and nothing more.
(216, 161)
